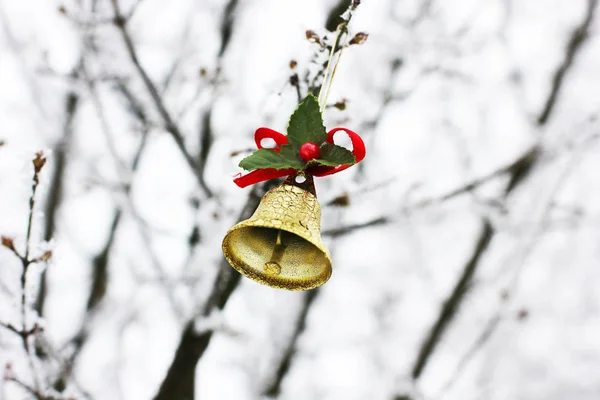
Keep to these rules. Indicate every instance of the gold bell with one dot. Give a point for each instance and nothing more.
(280, 245)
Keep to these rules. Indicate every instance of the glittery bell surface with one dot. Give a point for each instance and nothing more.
(280, 245)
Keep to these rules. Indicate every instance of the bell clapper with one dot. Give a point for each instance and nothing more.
(272, 266)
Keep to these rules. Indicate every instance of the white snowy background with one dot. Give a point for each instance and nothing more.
(465, 266)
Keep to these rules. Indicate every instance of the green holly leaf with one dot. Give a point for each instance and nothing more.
(306, 124)
(267, 158)
(287, 151)
(333, 155)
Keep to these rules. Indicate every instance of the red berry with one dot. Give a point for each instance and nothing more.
(309, 151)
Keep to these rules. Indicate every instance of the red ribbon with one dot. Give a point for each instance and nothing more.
(358, 150)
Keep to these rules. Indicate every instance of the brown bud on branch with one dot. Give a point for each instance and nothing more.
(46, 256)
(342, 200)
(359, 38)
(8, 243)
(38, 162)
(312, 36)
(341, 105)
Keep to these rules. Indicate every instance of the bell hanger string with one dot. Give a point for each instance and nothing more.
(334, 60)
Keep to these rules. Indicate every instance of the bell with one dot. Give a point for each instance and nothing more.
(280, 245)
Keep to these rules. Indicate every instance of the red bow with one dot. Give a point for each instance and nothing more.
(358, 150)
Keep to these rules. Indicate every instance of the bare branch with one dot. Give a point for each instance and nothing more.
(170, 126)
(274, 388)
(477, 345)
(575, 43)
(180, 379)
(32, 391)
(206, 140)
(452, 304)
(55, 189)
(100, 263)
(11, 328)
(514, 169)
(344, 230)
(518, 172)
(206, 133)
(227, 26)
(26, 261)
(519, 261)
(334, 18)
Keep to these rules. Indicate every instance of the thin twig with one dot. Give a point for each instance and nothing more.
(11, 328)
(227, 26)
(575, 43)
(38, 163)
(100, 262)
(452, 304)
(334, 17)
(475, 347)
(273, 389)
(519, 260)
(179, 383)
(32, 391)
(334, 58)
(55, 188)
(344, 230)
(170, 126)
(100, 112)
(518, 172)
(511, 168)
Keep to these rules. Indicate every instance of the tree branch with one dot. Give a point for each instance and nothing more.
(344, 230)
(55, 190)
(100, 263)
(334, 18)
(26, 261)
(518, 172)
(575, 43)
(274, 388)
(170, 126)
(514, 169)
(452, 304)
(179, 383)
(227, 26)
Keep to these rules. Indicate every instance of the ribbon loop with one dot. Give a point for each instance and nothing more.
(268, 133)
(358, 150)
